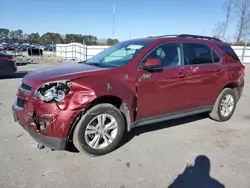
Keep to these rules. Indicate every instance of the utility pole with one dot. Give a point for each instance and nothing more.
(113, 21)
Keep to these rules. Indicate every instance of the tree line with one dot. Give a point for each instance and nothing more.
(237, 12)
(18, 36)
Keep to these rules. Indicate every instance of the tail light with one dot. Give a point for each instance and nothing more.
(6, 58)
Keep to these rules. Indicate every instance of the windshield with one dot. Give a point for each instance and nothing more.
(118, 55)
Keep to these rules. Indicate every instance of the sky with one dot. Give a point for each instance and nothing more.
(133, 18)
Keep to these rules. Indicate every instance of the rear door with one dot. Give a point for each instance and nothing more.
(205, 74)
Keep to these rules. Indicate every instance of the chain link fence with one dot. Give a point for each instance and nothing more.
(77, 51)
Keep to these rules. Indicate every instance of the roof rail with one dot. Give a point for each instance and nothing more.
(162, 36)
(187, 36)
(199, 36)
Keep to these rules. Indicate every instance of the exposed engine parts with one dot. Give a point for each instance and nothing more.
(54, 91)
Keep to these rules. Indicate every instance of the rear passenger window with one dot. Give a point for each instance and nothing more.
(216, 58)
(195, 54)
(228, 50)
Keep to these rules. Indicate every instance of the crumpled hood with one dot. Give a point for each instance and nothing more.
(68, 71)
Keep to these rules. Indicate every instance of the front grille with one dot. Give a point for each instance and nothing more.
(25, 87)
(20, 102)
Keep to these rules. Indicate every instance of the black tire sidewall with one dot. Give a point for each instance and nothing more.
(226, 92)
(100, 109)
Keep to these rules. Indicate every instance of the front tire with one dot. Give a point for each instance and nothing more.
(100, 130)
(224, 106)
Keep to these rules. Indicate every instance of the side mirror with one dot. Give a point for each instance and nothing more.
(151, 63)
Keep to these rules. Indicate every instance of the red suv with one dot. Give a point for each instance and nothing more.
(130, 84)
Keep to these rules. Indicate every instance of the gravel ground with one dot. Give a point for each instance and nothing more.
(151, 156)
(47, 60)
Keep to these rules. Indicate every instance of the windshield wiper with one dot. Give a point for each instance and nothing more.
(94, 64)
(82, 62)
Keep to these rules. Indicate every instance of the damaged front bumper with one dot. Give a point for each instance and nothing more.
(47, 141)
(50, 123)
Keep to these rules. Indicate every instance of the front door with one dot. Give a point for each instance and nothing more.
(161, 91)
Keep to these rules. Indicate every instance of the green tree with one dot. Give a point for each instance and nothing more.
(87, 39)
(12, 36)
(74, 38)
(25, 37)
(90, 39)
(49, 38)
(16, 35)
(19, 35)
(111, 42)
(33, 38)
(4, 34)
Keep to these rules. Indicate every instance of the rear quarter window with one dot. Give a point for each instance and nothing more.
(229, 51)
(216, 58)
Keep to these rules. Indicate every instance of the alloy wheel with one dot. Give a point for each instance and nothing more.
(227, 105)
(101, 131)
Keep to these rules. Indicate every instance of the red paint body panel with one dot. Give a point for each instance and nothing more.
(157, 95)
(60, 120)
(146, 94)
(204, 84)
(83, 91)
(61, 72)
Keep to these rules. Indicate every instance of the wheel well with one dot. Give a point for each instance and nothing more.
(116, 101)
(235, 87)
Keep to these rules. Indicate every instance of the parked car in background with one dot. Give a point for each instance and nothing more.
(10, 47)
(41, 47)
(23, 47)
(7, 64)
(50, 47)
(1, 47)
(130, 84)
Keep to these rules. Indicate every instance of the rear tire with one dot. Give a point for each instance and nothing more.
(224, 106)
(100, 130)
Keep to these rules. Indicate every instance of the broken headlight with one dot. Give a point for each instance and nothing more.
(53, 91)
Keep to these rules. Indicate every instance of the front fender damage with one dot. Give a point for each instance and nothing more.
(55, 118)
(60, 118)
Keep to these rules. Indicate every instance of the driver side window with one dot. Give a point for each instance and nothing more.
(169, 54)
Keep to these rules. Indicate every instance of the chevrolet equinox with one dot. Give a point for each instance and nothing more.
(132, 83)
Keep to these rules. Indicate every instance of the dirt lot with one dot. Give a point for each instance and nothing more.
(151, 156)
